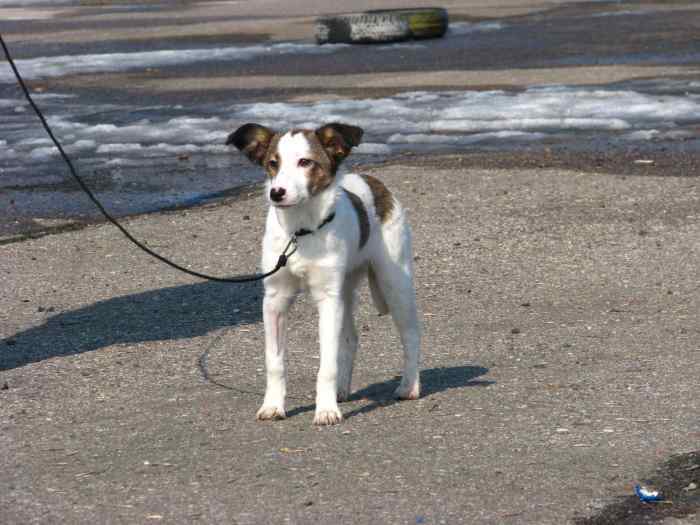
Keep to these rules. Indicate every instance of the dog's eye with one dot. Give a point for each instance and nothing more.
(305, 163)
(272, 164)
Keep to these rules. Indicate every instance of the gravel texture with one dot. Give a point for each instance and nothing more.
(561, 366)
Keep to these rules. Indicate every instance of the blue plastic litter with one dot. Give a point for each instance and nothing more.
(647, 495)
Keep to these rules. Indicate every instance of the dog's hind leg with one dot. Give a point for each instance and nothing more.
(348, 339)
(393, 269)
(376, 292)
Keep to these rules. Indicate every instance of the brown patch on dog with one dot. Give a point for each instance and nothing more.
(362, 217)
(383, 199)
(272, 160)
(321, 173)
(329, 145)
(319, 179)
(337, 140)
(252, 139)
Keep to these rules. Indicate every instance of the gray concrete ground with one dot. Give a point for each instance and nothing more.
(558, 287)
(561, 365)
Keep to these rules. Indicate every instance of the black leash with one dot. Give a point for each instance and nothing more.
(281, 262)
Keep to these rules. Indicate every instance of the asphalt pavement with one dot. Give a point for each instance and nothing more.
(558, 287)
(560, 312)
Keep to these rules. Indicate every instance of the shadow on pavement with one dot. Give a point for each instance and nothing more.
(179, 312)
(433, 380)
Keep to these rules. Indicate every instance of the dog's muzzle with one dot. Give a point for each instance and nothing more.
(277, 194)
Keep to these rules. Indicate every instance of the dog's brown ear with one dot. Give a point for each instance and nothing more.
(338, 139)
(253, 140)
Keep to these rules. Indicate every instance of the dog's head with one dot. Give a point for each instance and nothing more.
(299, 163)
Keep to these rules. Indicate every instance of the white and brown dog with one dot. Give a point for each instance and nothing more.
(346, 226)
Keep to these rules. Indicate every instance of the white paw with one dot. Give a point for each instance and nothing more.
(268, 412)
(328, 417)
(408, 390)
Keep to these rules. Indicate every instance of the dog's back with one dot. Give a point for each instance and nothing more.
(386, 218)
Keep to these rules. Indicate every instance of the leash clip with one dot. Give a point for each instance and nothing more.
(284, 257)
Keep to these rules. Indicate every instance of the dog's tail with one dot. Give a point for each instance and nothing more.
(377, 294)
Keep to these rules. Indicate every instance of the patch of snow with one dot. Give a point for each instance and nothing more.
(401, 46)
(655, 134)
(161, 148)
(6, 152)
(8, 103)
(57, 66)
(373, 148)
(119, 162)
(35, 142)
(13, 102)
(43, 153)
(119, 148)
(82, 145)
(465, 28)
(539, 109)
(419, 138)
(621, 13)
(424, 119)
(14, 3)
(176, 130)
(23, 14)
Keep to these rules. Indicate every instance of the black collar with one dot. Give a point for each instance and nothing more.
(304, 231)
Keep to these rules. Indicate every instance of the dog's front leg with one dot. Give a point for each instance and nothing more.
(275, 307)
(331, 310)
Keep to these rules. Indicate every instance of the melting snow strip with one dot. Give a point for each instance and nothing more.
(58, 66)
(426, 119)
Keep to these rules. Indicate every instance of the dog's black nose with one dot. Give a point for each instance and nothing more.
(277, 194)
